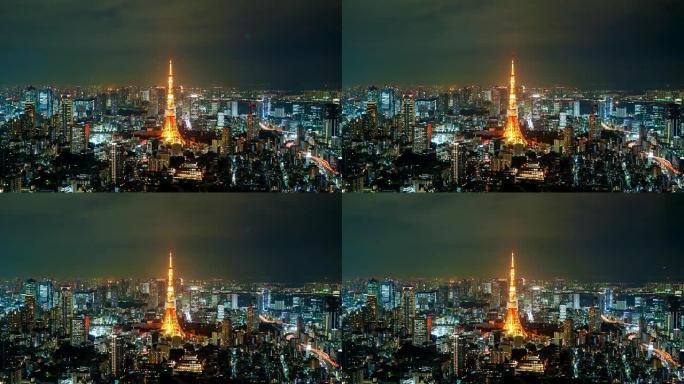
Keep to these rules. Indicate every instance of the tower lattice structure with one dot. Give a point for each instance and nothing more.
(512, 132)
(170, 132)
(170, 325)
(512, 326)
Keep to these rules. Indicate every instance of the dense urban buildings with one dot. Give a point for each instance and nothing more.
(172, 138)
(429, 330)
(512, 288)
(339, 112)
(128, 330)
(513, 138)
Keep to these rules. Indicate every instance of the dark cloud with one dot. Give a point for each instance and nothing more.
(246, 237)
(583, 236)
(281, 44)
(628, 44)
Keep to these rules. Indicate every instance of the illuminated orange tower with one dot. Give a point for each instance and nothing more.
(170, 326)
(512, 326)
(512, 132)
(170, 133)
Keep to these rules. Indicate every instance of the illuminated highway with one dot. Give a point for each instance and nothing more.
(666, 164)
(321, 355)
(270, 128)
(662, 355)
(322, 163)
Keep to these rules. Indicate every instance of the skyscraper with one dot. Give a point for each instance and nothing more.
(408, 116)
(29, 119)
(78, 331)
(387, 294)
(67, 307)
(66, 115)
(117, 358)
(116, 163)
(457, 164)
(29, 311)
(458, 355)
(420, 331)
(170, 325)
(408, 306)
(420, 142)
(77, 138)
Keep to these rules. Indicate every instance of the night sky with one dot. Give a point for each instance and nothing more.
(627, 44)
(291, 44)
(276, 238)
(594, 237)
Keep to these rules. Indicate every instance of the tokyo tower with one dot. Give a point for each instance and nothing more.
(512, 133)
(170, 326)
(512, 326)
(170, 133)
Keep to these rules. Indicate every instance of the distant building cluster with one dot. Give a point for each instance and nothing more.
(511, 330)
(169, 138)
(514, 138)
(93, 330)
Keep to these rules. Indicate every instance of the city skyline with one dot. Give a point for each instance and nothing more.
(584, 237)
(212, 236)
(577, 44)
(243, 44)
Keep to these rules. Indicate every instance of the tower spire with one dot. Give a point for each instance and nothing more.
(512, 133)
(170, 325)
(512, 326)
(170, 133)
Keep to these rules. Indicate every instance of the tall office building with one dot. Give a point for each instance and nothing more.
(226, 141)
(66, 117)
(458, 160)
(408, 116)
(387, 294)
(674, 314)
(372, 116)
(29, 120)
(672, 123)
(66, 307)
(29, 312)
(249, 326)
(116, 163)
(371, 308)
(458, 355)
(420, 332)
(45, 102)
(117, 355)
(408, 306)
(420, 142)
(333, 305)
(568, 140)
(388, 102)
(77, 138)
(78, 331)
(568, 333)
(226, 332)
(45, 295)
(331, 123)
(263, 299)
